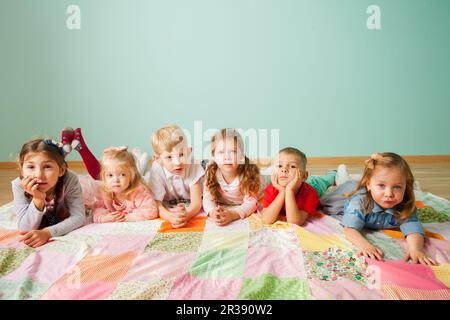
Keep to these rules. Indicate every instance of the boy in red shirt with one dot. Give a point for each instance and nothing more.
(288, 193)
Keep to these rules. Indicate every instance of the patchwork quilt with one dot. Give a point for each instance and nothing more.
(244, 260)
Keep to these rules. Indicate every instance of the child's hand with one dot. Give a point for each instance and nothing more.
(370, 251)
(35, 238)
(176, 219)
(181, 208)
(179, 217)
(215, 213)
(418, 256)
(30, 186)
(274, 180)
(116, 216)
(222, 217)
(295, 183)
(228, 216)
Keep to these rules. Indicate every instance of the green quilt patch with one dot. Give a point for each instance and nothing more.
(427, 215)
(143, 290)
(22, 289)
(175, 242)
(390, 247)
(269, 287)
(219, 264)
(11, 259)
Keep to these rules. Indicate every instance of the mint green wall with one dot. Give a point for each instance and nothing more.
(310, 68)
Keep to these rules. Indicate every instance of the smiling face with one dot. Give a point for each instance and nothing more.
(227, 155)
(387, 186)
(47, 171)
(286, 165)
(176, 160)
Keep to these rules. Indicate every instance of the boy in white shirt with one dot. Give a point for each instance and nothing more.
(175, 180)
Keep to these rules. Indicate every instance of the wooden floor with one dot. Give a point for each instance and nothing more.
(433, 174)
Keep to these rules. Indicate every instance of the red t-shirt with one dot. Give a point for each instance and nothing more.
(306, 197)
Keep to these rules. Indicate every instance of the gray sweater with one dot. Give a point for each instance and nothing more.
(29, 217)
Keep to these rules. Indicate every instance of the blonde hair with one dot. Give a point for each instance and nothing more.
(248, 172)
(166, 138)
(122, 157)
(388, 160)
(300, 155)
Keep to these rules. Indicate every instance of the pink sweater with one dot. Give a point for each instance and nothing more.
(141, 206)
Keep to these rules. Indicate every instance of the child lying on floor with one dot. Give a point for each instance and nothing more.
(291, 193)
(384, 199)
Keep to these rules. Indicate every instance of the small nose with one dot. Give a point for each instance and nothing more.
(389, 193)
(176, 160)
(284, 169)
(39, 173)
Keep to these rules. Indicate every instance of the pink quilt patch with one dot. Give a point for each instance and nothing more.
(83, 291)
(342, 289)
(158, 265)
(191, 288)
(44, 266)
(406, 275)
(116, 244)
(279, 262)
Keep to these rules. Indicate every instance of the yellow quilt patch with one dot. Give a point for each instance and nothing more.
(442, 273)
(314, 242)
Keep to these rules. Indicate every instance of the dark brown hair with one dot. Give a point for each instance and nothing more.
(54, 153)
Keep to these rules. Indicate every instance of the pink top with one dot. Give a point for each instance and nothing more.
(243, 204)
(141, 206)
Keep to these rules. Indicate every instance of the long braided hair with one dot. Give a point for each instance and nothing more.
(53, 151)
(247, 172)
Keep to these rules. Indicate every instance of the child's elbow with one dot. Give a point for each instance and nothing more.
(155, 214)
(300, 222)
(267, 220)
(152, 214)
(81, 221)
(297, 218)
(196, 207)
